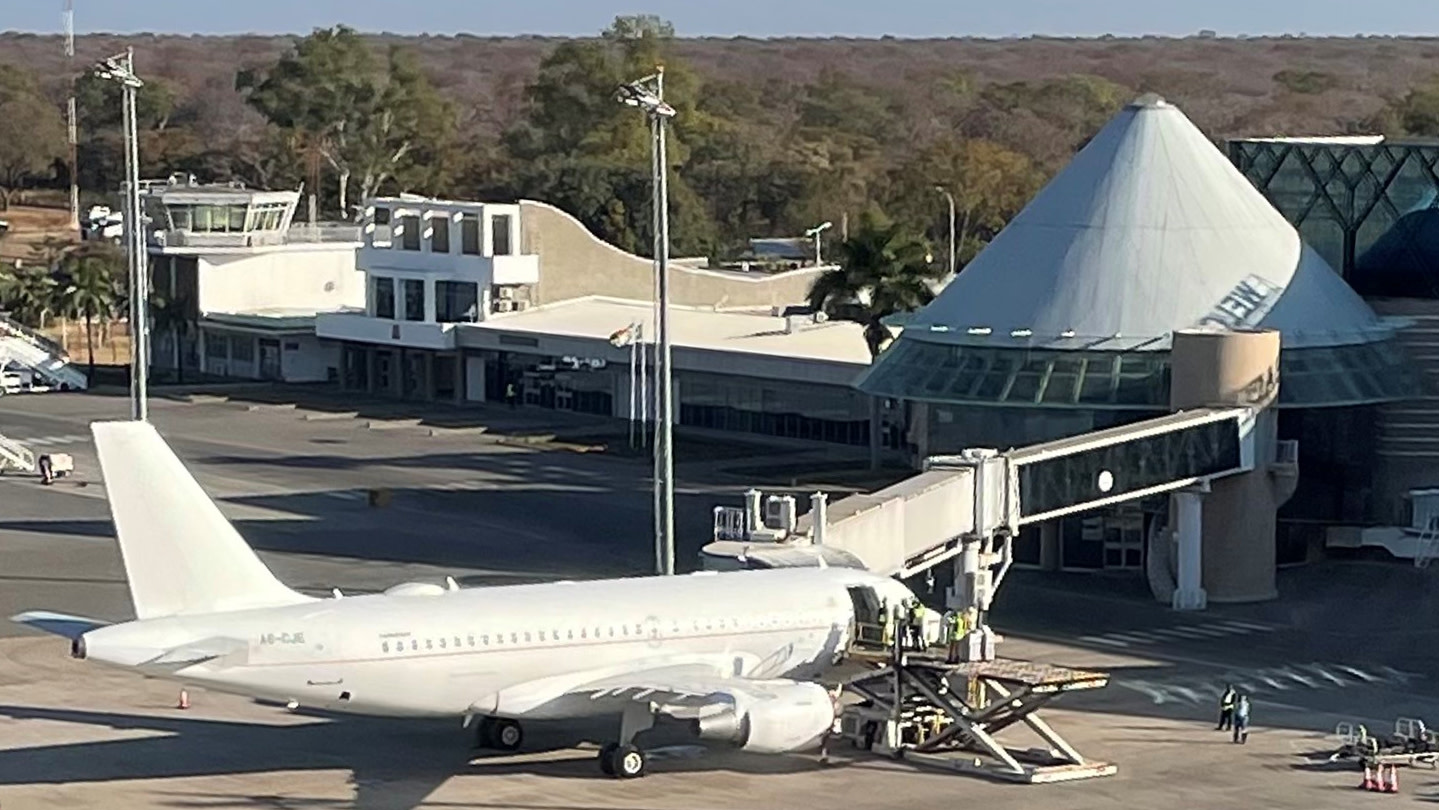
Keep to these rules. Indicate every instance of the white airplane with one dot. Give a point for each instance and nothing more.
(730, 652)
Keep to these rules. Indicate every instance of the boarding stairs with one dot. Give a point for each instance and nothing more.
(14, 455)
(48, 359)
(1426, 546)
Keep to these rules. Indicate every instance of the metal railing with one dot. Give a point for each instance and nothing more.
(15, 454)
(9, 327)
(322, 233)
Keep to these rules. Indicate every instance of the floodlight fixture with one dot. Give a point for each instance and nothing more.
(819, 229)
(636, 94)
(112, 68)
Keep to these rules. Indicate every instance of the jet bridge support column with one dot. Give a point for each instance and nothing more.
(987, 548)
(1189, 532)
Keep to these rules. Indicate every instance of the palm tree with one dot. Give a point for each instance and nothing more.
(171, 313)
(883, 270)
(91, 287)
(27, 293)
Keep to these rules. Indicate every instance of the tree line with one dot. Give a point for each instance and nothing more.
(768, 157)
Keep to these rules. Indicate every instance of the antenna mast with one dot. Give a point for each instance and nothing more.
(70, 111)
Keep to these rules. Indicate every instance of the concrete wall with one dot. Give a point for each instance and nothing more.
(1212, 368)
(318, 278)
(310, 360)
(575, 263)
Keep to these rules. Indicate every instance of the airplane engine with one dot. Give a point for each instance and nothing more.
(794, 717)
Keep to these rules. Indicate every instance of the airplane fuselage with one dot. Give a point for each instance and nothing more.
(481, 650)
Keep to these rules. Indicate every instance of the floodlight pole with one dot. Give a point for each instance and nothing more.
(121, 70)
(950, 198)
(665, 445)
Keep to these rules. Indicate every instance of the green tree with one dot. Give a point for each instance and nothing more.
(990, 184)
(883, 270)
(336, 102)
(32, 134)
(407, 137)
(90, 287)
(585, 152)
(1417, 113)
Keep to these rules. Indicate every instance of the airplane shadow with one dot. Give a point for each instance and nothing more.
(393, 763)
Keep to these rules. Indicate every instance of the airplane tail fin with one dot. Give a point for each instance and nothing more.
(181, 555)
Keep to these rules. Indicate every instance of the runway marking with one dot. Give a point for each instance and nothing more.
(1102, 640)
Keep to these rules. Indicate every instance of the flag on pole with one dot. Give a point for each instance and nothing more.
(623, 337)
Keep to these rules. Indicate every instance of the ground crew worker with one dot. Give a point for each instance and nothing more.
(917, 626)
(510, 395)
(1226, 708)
(1241, 720)
(957, 631)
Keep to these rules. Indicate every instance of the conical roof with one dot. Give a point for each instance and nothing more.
(1149, 229)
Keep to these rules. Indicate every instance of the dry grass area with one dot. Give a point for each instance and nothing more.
(31, 225)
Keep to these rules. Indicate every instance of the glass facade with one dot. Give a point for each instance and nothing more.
(1347, 198)
(941, 372)
(775, 408)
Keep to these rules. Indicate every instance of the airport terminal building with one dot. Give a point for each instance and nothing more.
(1061, 326)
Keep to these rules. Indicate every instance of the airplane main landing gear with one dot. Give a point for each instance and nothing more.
(622, 761)
(496, 732)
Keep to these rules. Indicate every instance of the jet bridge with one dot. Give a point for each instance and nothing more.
(918, 523)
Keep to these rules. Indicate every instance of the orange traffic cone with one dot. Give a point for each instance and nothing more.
(184, 700)
(1393, 786)
(1369, 783)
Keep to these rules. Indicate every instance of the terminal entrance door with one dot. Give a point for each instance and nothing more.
(1104, 539)
(1124, 538)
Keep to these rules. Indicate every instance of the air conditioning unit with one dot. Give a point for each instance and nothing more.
(503, 305)
(521, 306)
(507, 293)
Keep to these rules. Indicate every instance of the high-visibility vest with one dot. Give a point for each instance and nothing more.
(1227, 701)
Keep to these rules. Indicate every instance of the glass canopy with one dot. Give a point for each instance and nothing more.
(941, 372)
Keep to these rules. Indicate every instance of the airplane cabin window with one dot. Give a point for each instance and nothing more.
(429, 644)
(442, 644)
(542, 635)
(527, 636)
(457, 641)
(384, 646)
(584, 633)
(514, 638)
(471, 640)
(569, 634)
(414, 644)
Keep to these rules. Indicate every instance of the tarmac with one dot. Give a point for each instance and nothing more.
(1339, 645)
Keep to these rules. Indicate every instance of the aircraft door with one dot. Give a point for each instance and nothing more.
(867, 630)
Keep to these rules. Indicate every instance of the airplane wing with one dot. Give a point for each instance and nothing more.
(770, 715)
(60, 624)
